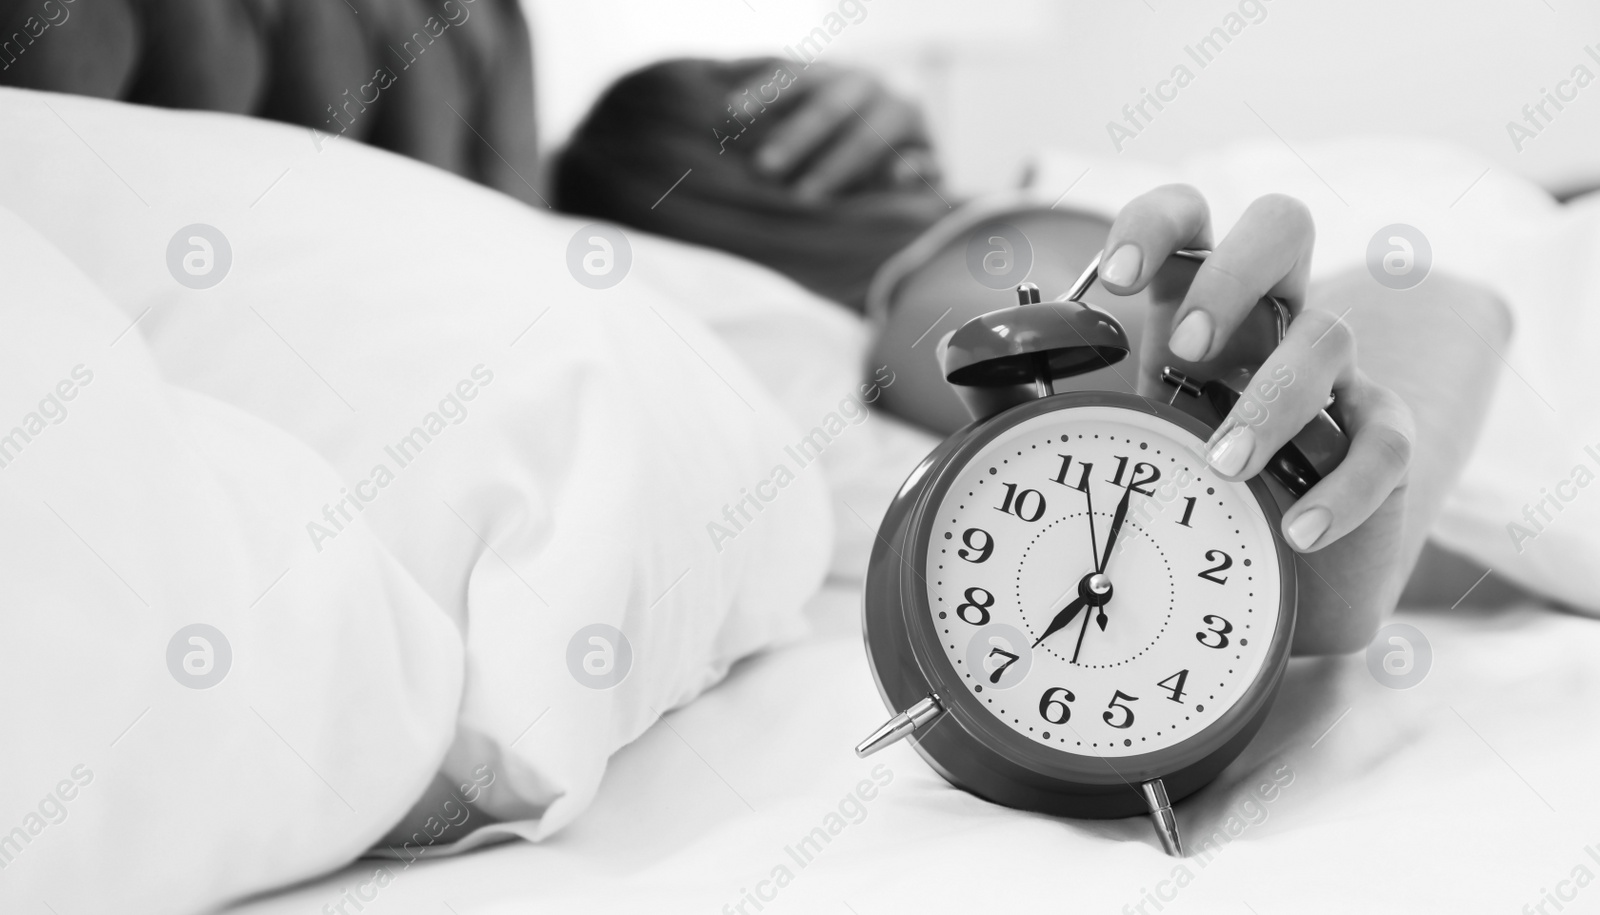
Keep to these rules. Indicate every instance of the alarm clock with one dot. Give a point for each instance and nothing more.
(1067, 609)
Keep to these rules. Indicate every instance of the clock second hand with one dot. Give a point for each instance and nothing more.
(1094, 539)
(1101, 558)
(1081, 630)
(1094, 556)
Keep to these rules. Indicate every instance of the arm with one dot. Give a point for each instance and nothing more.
(1435, 346)
(942, 295)
(1410, 395)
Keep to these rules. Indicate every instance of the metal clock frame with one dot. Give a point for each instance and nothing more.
(961, 739)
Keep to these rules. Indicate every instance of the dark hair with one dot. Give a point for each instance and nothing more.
(654, 125)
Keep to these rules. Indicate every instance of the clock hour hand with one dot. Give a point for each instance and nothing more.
(1063, 618)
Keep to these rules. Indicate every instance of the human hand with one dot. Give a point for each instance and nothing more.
(1349, 524)
(839, 127)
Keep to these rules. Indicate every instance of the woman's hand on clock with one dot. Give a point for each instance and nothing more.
(1350, 523)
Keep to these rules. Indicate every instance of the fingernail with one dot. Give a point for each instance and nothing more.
(1307, 529)
(1192, 338)
(1122, 267)
(1229, 454)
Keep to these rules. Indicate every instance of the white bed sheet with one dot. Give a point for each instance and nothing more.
(1469, 792)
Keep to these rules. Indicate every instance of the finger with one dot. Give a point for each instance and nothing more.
(780, 93)
(1381, 430)
(1267, 252)
(1317, 355)
(859, 150)
(817, 117)
(916, 166)
(1148, 230)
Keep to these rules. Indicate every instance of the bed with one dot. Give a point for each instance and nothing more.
(737, 791)
(1463, 794)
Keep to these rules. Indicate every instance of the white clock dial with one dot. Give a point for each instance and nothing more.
(1192, 582)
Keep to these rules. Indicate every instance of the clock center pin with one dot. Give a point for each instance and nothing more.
(1096, 587)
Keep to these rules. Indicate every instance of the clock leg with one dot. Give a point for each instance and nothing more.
(901, 725)
(1155, 794)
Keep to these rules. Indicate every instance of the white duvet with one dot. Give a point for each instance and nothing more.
(606, 432)
(136, 511)
(441, 505)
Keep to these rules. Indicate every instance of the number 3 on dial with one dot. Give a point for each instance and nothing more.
(1219, 627)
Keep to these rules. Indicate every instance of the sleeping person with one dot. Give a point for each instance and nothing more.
(788, 171)
(832, 183)
(822, 174)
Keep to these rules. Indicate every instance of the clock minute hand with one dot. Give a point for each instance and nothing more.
(1120, 516)
(1063, 618)
(1116, 528)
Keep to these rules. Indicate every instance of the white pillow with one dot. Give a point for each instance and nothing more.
(606, 430)
(143, 771)
(809, 353)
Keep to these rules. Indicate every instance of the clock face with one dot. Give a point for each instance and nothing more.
(1088, 650)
